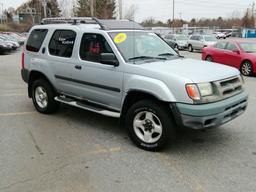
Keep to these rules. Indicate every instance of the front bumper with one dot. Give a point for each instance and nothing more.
(210, 115)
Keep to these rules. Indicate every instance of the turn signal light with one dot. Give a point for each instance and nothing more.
(193, 92)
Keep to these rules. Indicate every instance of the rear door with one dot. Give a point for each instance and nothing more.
(60, 58)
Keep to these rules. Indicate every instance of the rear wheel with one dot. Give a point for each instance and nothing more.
(150, 125)
(246, 68)
(43, 97)
(209, 58)
(190, 48)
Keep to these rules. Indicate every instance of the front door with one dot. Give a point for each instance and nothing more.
(95, 81)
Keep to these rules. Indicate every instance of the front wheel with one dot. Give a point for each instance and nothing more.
(209, 58)
(246, 68)
(190, 48)
(43, 97)
(150, 125)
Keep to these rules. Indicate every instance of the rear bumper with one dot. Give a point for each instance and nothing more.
(210, 115)
(25, 75)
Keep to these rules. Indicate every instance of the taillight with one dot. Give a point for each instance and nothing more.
(22, 59)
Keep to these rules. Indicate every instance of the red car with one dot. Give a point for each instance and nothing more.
(236, 53)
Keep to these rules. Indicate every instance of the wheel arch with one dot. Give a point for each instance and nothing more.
(33, 76)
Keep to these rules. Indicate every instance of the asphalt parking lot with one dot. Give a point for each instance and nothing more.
(76, 150)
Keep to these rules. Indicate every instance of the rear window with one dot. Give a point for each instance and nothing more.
(62, 43)
(36, 39)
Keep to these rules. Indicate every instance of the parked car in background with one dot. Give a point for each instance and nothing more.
(220, 35)
(12, 41)
(236, 53)
(5, 47)
(170, 42)
(180, 41)
(19, 38)
(198, 42)
(228, 33)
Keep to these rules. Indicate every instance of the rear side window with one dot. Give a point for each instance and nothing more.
(220, 45)
(62, 43)
(36, 40)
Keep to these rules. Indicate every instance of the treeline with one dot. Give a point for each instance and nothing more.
(248, 20)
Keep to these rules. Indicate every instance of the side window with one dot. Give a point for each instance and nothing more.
(231, 47)
(220, 45)
(36, 40)
(92, 46)
(168, 37)
(62, 43)
(196, 38)
(192, 37)
(200, 38)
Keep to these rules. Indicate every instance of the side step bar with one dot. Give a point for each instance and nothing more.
(87, 107)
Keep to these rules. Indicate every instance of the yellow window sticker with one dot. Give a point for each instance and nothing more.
(119, 38)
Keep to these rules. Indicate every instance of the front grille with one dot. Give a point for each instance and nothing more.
(229, 87)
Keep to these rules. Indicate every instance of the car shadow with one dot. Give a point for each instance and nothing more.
(188, 140)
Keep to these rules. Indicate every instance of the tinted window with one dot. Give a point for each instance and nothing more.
(92, 46)
(169, 37)
(231, 47)
(192, 37)
(220, 45)
(36, 39)
(62, 43)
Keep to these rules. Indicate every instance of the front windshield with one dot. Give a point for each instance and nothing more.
(181, 38)
(141, 45)
(210, 38)
(248, 47)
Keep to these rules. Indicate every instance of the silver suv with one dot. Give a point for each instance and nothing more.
(198, 42)
(116, 68)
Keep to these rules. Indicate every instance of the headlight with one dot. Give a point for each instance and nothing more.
(205, 89)
(198, 92)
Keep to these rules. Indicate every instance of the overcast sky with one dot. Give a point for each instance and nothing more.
(186, 9)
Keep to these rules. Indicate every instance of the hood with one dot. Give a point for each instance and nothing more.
(194, 70)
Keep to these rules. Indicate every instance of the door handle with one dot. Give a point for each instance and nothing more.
(79, 67)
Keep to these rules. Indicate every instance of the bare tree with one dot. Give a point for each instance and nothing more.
(66, 8)
(130, 13)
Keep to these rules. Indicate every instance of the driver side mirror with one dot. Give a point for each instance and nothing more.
(236, 51)
(109, 59)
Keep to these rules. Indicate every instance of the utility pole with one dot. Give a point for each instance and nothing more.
(120, 5)
(92, 8)
(2, 12)
(173, 13)
(44, 2)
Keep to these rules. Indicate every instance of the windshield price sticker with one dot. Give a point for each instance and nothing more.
(119, 38)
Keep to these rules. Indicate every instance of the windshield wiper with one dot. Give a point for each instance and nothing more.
(166, 54)
(146, 57)
(170, 54)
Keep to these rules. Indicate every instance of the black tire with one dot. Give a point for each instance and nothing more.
(176, 47)
(164, 116)
(52, 105)
(246, 68)
(209, 58)
(190, 48)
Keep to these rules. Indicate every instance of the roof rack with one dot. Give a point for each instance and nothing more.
(105, 24)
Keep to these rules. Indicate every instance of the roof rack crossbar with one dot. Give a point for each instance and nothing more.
(72, 20)
(104, 24)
